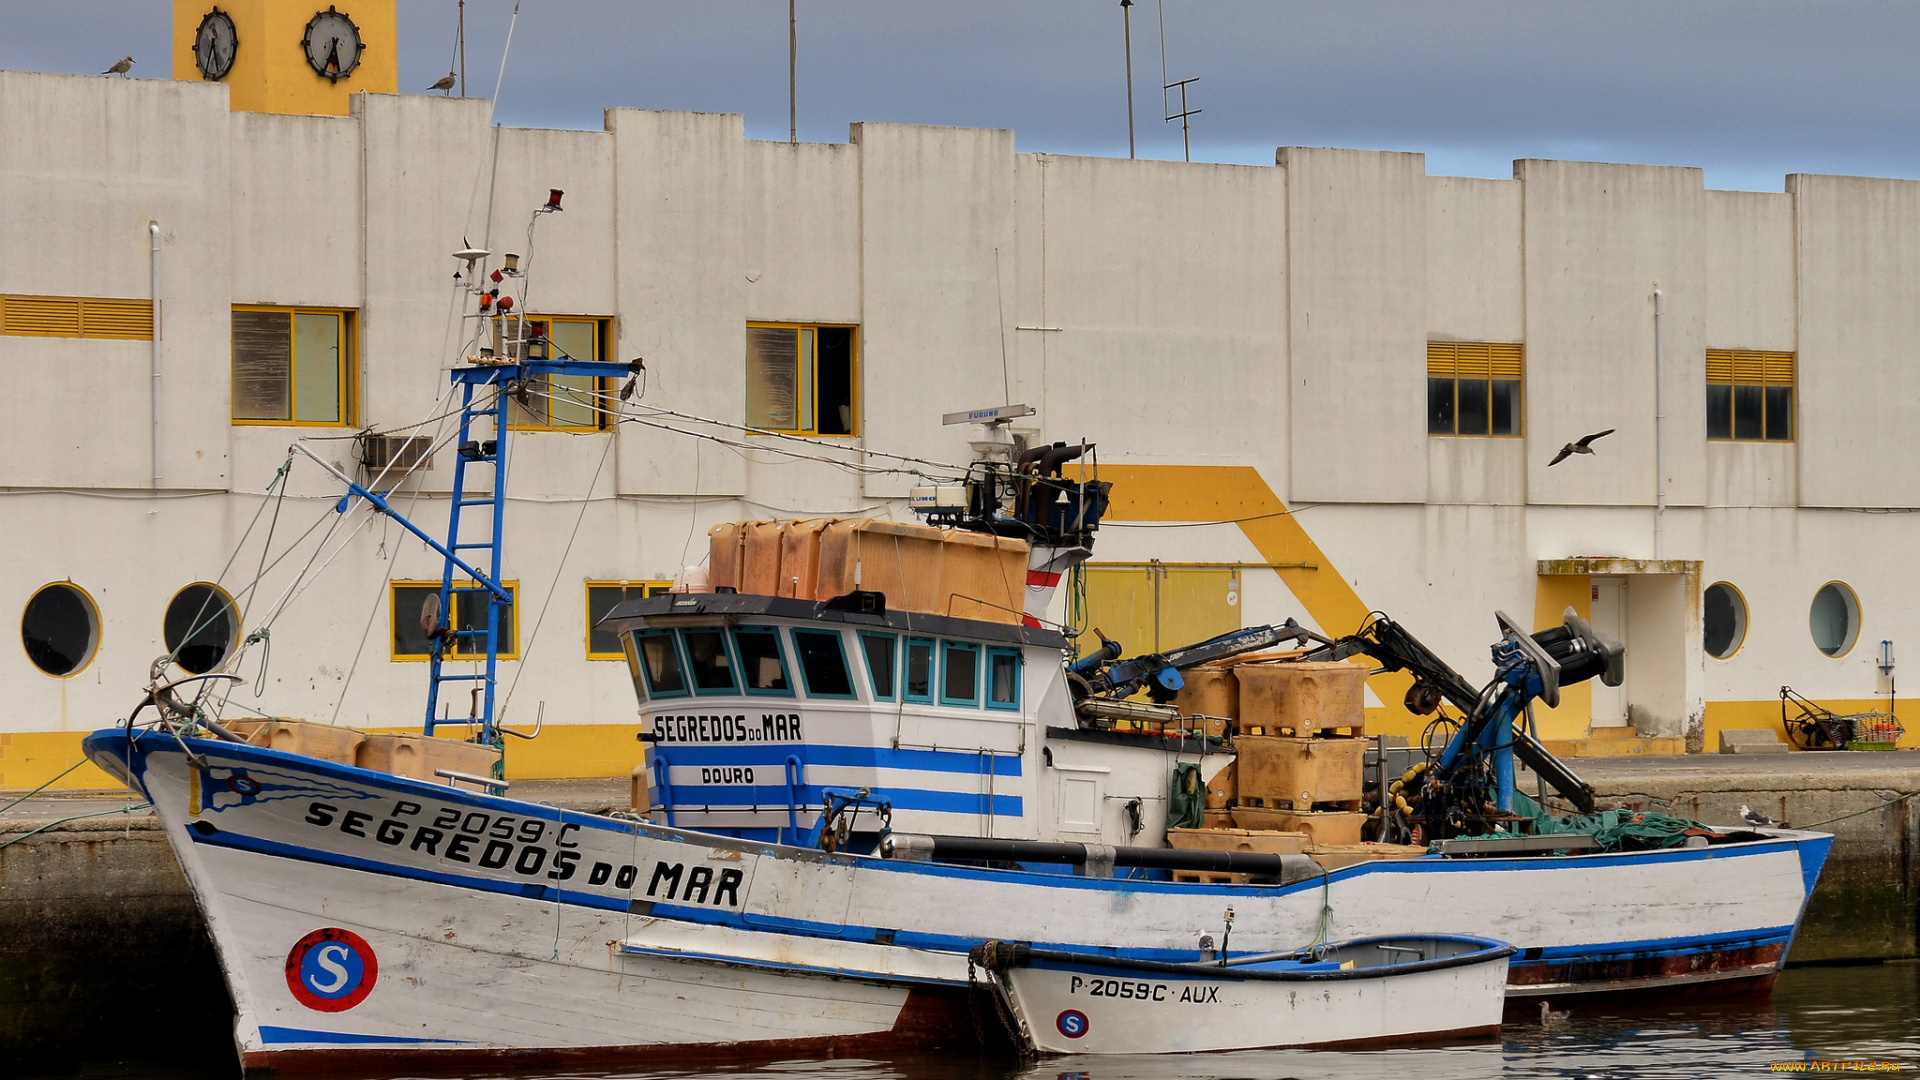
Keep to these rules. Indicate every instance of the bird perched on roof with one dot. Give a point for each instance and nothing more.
(120, 68)
(1584, 446)
(445, 83)
(1754, 817)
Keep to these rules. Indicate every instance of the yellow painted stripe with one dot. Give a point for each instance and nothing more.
(1239, 494)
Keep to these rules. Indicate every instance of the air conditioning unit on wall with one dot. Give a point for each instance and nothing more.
(395, 454)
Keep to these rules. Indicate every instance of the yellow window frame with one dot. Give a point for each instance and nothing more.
(349, 368)
(1761, 368)
(811, 379)
(394, 616)
(1480, 361)
(646, 587)
(602, 330)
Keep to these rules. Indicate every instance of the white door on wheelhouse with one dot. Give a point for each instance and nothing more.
(1609, 598)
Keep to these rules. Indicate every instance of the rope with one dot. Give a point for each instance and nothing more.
(42, 787)
(1878, 806)
(127, 809)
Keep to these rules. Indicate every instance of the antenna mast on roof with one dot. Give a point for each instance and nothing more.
(1186, 141)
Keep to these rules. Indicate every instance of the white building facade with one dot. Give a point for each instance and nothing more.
(1332, 385)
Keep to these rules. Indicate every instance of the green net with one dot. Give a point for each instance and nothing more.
(1615, 830)
(1187, 808)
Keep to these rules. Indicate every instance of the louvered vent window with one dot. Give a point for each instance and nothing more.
(76, 316)
(1473, 388)
(1749, 395)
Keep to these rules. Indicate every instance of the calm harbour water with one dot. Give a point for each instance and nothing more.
(1821, 1014)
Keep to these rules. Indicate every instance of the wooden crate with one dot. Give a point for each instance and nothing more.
(1210, 690)
(1201, 877)
(1303, 698)
(1335, 856)
(1221, 790)
(1322, 827)
(421, 756)
(1271, 771)
(1259, 843)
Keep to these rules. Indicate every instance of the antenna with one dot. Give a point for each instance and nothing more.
(793, 61)
(1186, 141)
(1126, 19)
(462, 49)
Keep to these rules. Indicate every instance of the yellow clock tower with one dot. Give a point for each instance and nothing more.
(288, 56)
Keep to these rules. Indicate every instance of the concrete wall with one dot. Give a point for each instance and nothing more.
(1271, 318)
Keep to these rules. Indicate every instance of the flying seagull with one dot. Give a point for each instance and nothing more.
(1584, 446)
(446, 83)
(120, 68)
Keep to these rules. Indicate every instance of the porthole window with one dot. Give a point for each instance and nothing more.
(1834, 618)
(1725, 620)
(201, 626)
(60, 629)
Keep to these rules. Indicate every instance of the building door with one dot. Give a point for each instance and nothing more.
(1156, 607)
(1610, 618)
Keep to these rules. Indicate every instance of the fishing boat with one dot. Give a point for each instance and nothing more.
(1377, 991)
(852, 776)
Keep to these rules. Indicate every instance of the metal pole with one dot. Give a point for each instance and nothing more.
(1659, 424)
(793, 60)
(463, 48)
(153, 234)
(1126, 20)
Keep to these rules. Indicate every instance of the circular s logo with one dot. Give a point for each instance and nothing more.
(331, 970)
(1072, 1023)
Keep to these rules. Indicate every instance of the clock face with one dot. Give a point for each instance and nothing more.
(332, 44)
(214, 45)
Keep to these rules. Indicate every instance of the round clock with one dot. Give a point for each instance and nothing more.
(332, 44)
(214, 45)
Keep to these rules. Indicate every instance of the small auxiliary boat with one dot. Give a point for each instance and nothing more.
(1373, 990)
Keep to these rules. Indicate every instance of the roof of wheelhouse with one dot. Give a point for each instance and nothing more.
(676, 609)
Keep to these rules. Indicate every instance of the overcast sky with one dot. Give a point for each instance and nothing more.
(1749, 91)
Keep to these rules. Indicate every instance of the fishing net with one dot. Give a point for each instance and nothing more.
(1616, 830)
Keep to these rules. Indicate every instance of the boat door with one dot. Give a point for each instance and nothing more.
(1609, 597)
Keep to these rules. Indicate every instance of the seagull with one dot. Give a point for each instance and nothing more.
(1549, 1017)
(120, 68)
(1584, 446)
(445, 83)
(1754, 817)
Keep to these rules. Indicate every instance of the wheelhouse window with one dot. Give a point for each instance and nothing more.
(823, 665)
(801, 378)
(1003, 679)
(1473, 388)
(604, 596)
(659, 661)
(760, 660)
(959, 673)
(1750, 395)
(919, 684)
(574, 403)
(879, 650)
(707, 659)
(292, 366)
(409, 604)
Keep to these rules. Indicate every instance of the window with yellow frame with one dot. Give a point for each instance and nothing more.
(801, 378)
(604, 596)
(293, 366)
(573, 403)
(1473, 387)
(408, 640)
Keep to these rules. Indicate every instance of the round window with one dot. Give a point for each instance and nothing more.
(200, 627)
(1725, 620)
(60, 629)
(1835, 618)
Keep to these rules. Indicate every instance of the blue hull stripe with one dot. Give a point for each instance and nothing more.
(340, 1038)
(774, 755)
(693, 798)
